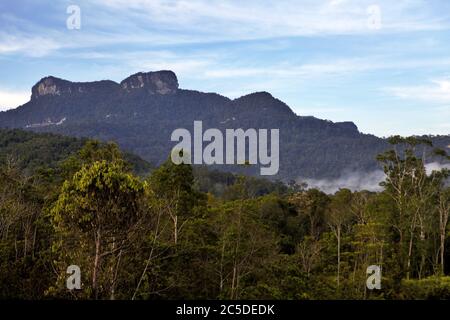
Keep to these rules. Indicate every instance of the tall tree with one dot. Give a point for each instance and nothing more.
(338, 215)
(96, 212)
(174, 185)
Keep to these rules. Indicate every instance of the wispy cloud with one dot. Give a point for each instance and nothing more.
(437, 91)
(326, 67)
(163, 22)
(33, 46)
(11, 99)
(255, 19)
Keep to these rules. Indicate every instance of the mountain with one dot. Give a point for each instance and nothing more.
(141, 112)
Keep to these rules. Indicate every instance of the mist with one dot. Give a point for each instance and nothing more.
(357, 181)
(436, 166)
(354, 181)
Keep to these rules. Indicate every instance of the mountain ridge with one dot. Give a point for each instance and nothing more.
(141, 111)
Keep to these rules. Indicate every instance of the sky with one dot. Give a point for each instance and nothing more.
(382, 64)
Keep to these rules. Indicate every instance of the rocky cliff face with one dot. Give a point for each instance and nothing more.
(160, 82)
(52, 86)
(49, 86)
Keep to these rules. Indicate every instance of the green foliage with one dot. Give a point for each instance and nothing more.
(30, 152)
(99, 207)
(179, 232)
(431, 288)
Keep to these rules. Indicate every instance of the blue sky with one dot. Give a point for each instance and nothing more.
(383, 64)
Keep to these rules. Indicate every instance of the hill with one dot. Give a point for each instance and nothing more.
(29, 151)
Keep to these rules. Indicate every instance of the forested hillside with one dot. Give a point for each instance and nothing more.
(31, 152)
(174, 233)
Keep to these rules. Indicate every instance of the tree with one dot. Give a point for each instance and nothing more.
(94, 215)
(24, 236)
(174, 184)
(414, 193)
(312, 205)
(338, 215)
(244, 246)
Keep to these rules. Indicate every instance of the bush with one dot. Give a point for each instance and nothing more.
(427, 289)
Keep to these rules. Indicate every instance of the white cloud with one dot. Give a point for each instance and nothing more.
(330, 67)
(261, 19)
(438, 91)
(31, 46)
(166, 22)
(11, 99)
(291, 70)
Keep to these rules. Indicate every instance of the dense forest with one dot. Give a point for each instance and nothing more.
(178, 232)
